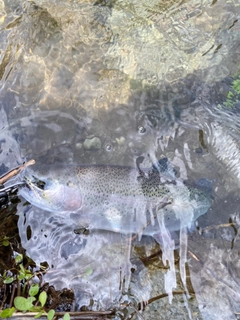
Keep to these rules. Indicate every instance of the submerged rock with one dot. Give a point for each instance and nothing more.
(92, 144)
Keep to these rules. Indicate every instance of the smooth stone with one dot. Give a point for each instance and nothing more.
(92, 144)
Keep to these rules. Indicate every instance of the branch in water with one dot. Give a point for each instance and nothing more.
(12, 173)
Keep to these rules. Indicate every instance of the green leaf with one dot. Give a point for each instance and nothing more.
(23, 304)
(42, 298)
(38, 315)
(236, 85)
(50, 314)
(21, 275)
(8, 280)
(7, 313)
(31, 299)
(28, 274)
(229, 95)
(22, 268)
(19, 258)
(5, 243)
(66, 316)
(36, 309)
(88, 271)
(24, 274)
(33, 291)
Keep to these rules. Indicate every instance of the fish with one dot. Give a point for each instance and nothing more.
(117, 198)
(126, 200)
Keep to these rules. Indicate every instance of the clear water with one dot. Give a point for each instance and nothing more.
(106, 83)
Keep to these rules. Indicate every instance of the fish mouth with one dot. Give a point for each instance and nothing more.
(36, 185)
(38, 188)
(51, 195)
(40, 184)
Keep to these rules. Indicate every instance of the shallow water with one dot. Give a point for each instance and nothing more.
(107, 83)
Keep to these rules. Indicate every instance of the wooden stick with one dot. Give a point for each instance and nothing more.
(7, 176)
(223, 225)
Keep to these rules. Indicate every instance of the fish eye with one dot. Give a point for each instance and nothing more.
(40, 184)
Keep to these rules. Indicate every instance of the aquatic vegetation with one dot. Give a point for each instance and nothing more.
(21, 287)
(23, 276)
(236, 86)
(233, 95)
(30, 296)
(5, 241)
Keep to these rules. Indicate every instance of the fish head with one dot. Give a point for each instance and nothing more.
(50, 195)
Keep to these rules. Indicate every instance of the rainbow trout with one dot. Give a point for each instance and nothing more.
(115, 198)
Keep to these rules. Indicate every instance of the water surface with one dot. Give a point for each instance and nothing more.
(112, 82)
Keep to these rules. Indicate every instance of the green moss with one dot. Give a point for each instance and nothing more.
(229, 103)
(233, 95)
(236, 86)
(230, 95)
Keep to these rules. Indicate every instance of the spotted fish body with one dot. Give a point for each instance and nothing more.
(120, 199)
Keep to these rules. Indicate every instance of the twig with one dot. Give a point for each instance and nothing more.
(223, 225)
(4, 296)
(163, 295)
(4, 178)
(18, 288)
(12, 295)
(193, 255)
(153, 255)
